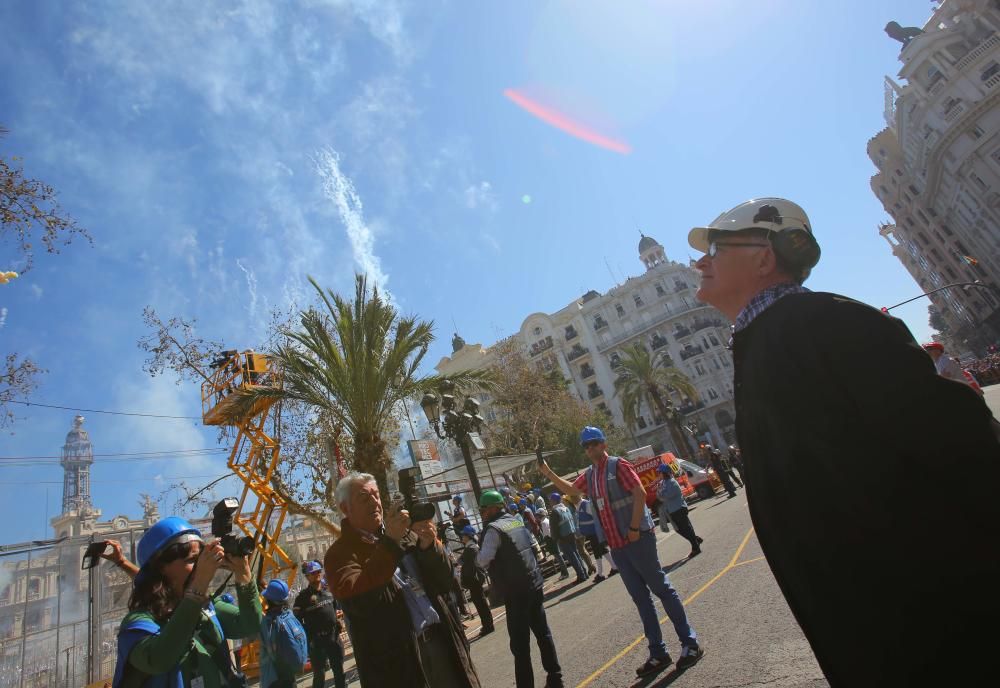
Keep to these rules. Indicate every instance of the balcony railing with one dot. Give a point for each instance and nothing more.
(595, 392)
(703, 324)
(600, 324)
(954, 112)
(658, 344)
(570, 333)
(992, 82)
(691, 352)
(646, 326)
(576, 352)
(586, 371)
(978, 52)
(681, 332)
(539, 347)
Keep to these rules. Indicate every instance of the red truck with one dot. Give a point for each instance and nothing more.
(647, 466)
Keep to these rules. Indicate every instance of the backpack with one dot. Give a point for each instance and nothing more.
(285, 639)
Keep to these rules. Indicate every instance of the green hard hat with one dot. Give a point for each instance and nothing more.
(490, 498)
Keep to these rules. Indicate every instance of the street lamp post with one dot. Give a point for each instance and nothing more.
(443, 412)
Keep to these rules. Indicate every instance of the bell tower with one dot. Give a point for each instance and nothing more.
(77, 456)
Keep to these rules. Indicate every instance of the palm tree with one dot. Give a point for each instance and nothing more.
(652, 379)
(355, 361)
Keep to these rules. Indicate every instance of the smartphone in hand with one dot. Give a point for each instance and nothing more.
(92, 556)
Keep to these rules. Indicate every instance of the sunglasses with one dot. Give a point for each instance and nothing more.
(713, 247)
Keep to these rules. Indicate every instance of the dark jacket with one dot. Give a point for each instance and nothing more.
(385, 647)
(317, 609)
(846, 433)
(472, 575)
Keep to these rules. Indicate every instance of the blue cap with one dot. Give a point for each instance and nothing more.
(665, 468)
(457, 498)
(555, 497)
(227, 597)
(311, 567)
(512, 508)
(522, 502)
(468, 530)
(276, 591)
(591, 433)
(162, 534)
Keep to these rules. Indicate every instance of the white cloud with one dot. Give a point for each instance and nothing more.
(480, 196)
(37, 291)
(340, 189)
(3, 317)
(251, 288)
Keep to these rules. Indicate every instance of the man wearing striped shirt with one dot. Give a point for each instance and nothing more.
(619, 502)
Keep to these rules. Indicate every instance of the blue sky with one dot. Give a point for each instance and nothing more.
(219, 153)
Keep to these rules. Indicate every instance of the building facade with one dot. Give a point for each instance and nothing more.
(938, 163)
(584, 341)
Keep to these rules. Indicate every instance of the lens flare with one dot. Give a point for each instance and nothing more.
(564, 122)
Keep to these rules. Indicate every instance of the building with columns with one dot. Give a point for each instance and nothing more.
(938, 163)
(657, 308)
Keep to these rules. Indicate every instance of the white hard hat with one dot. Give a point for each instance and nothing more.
(773, 214)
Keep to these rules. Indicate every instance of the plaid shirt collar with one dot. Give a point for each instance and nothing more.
(764, 300)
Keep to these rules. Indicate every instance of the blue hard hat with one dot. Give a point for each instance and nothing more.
(537, 490)
(276, 591)
(504, 490)
(457, 498)
(512, 508)
(522, 502)
(591, 433)
(468, 530)
(163, 533)
(311, 567)
(665, 468)
(227, 597)
(555, 497)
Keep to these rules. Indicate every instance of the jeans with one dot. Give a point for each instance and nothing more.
(567, 546)
(525, 613)
(326, 650)
(639, 566)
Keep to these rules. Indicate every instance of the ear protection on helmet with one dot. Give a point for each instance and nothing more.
(795, 248)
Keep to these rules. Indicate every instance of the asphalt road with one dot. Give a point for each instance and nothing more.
(733, 602)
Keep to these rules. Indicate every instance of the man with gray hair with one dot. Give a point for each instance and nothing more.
(844, 424)
(392, 578)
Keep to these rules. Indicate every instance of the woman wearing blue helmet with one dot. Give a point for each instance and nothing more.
(173, 636)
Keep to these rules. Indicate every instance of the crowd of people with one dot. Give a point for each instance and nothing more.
(986, 369)
(819, 379)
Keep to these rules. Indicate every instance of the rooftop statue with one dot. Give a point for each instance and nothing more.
(903, 34)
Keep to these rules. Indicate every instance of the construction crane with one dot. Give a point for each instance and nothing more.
(254, 458)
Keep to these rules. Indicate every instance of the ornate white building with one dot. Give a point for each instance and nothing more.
(939, 164)
(657, 308)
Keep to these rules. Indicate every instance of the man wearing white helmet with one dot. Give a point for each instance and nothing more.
(824, 383)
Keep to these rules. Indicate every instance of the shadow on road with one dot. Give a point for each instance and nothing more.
(670, 568)
(658, 680)
(720, 500)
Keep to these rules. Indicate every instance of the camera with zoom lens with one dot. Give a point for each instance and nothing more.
(222, 528)
(419, 509)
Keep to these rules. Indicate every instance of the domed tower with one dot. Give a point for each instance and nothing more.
(77, 456)
(650, 252)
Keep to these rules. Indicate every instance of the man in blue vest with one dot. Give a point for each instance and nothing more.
(507, 552)
(619, 502)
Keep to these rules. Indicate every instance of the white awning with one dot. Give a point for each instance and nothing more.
(487, 469)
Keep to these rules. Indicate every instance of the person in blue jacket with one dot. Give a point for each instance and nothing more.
(673, 504)
(173, 635)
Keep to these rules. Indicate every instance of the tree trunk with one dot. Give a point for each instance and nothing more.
(370, 457)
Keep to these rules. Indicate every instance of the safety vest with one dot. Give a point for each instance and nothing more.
(514, 569)
(617, 499)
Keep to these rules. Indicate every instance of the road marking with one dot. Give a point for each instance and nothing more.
(631, 646)
(748, 561)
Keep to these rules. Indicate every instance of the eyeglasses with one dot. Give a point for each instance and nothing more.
(713, 247)
(590, 443)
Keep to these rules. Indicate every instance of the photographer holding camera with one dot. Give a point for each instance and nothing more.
(173, 632)
(392, 577)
